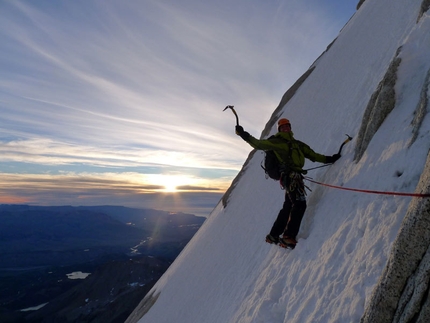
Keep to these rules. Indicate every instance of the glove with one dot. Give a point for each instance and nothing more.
(242, 133)
(239, 130)
(332, 159)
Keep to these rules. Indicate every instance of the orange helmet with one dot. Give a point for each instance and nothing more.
(283, 121)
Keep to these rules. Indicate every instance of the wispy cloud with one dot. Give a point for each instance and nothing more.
(131, 189)
(134, 85)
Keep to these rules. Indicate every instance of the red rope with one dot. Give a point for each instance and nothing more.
(368, 191)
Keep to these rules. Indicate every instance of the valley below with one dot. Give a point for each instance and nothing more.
(84, 264)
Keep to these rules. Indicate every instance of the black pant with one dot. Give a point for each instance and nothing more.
(291, 215)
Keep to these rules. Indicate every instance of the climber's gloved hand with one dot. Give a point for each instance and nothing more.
(242, 133)
(332, 159)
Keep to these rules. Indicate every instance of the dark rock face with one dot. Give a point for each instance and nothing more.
(379, 107)
(360, 3)
(425, 6)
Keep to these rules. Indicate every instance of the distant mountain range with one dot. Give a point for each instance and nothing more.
(40, 245)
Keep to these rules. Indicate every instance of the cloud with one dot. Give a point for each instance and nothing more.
(56, 154)
(195, 188)
(106, 189)
(89, 86)
(87, 183)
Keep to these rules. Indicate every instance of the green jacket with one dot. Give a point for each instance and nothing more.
(290, 152)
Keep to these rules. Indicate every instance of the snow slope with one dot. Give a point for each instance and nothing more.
(227, 273)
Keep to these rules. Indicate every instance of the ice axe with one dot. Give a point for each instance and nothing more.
(340, 150)
(345, 142)
(232, 109)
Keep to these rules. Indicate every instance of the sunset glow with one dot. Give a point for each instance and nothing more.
(107, 101)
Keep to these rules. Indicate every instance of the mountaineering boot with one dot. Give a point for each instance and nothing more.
(271, 239)
(287, 242)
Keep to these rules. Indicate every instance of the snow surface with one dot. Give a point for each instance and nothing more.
(227, 273)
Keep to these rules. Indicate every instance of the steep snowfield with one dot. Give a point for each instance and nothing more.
(227, 273)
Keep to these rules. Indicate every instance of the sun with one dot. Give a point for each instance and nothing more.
(172, 182)
(170, 188)
(176, 183)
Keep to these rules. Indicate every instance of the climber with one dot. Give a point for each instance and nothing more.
(291, 154)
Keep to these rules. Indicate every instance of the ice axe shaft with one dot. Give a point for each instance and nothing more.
(340, 150)
(232, 109)
(345, 142)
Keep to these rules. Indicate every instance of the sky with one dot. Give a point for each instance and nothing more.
(228, 274)
(121, 102)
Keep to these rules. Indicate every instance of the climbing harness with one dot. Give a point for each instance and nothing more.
(293, 182)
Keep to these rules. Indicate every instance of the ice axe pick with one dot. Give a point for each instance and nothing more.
(232, 109)
(345, 142)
